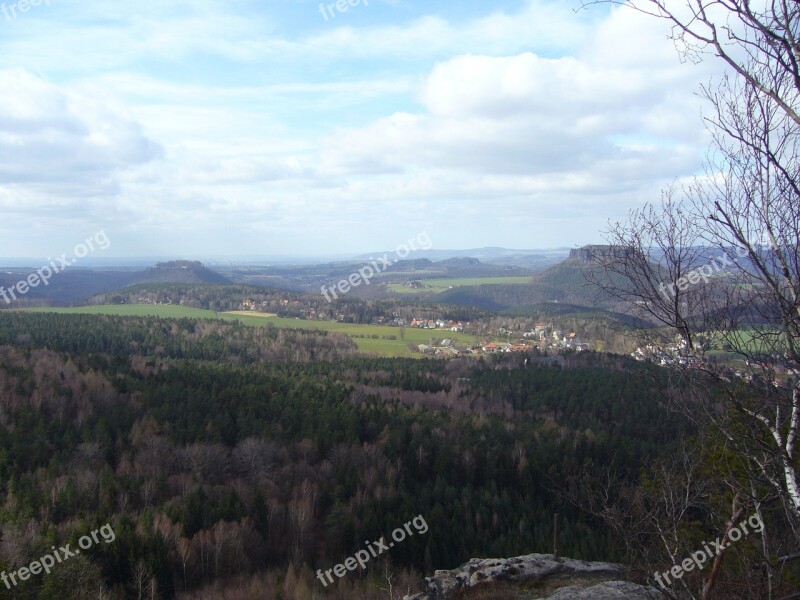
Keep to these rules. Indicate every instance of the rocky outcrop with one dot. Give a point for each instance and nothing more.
(588, 254)
(612, 590)
(562, 579)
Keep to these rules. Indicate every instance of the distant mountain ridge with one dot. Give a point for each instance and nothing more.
(461, 261)
(564, 282)
(479, 253)
(77, 284)
(536, 259)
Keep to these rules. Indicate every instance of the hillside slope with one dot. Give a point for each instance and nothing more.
(568, 282)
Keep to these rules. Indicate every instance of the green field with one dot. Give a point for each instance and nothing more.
(437, 286)
(375, 339)
(753, 340)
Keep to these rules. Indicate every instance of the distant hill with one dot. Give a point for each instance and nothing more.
(564, 283)
(461, 261)
(534, 260)
(74, 285)
(462, 266)
(310, 278)
(568, 282)
(179, 271)
(417, 264)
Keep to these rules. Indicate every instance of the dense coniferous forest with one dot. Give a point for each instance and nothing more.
(223, 452)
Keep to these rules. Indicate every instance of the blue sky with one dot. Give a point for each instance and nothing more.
(210, 128)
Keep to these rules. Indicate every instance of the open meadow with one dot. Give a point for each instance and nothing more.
(382, 340)
(437, 286)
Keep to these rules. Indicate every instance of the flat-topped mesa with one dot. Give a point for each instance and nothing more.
(594, 252)
(180, 264)
(460, 261)
(179, 271)
(566, 578)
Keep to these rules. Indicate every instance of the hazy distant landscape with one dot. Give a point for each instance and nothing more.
(400, 300)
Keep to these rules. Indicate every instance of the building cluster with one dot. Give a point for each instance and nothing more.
(675, 354)
(548, 336)
(678, 354)
(437, 324)
(148, 300)
(506, 347)
(447, 347)
(544, 337)
(669, 356)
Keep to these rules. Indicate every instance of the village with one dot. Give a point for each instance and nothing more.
(543, 337)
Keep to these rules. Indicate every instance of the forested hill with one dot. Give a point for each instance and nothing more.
(180, 271)
(568, 282)
(226, 461)
(75, 285)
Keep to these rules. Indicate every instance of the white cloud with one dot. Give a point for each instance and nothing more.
(195, 118)
(65, 143)
(598, 121)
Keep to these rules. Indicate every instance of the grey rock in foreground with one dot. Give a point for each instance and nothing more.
(611, 590)
(581, 580)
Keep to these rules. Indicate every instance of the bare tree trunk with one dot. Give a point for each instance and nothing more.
(737, 510)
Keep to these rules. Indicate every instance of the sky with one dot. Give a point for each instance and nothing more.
(193, 128)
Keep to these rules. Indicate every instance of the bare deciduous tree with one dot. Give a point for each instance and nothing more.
(717, 263)
(759, 41)
(746, 211)
(141, 577)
